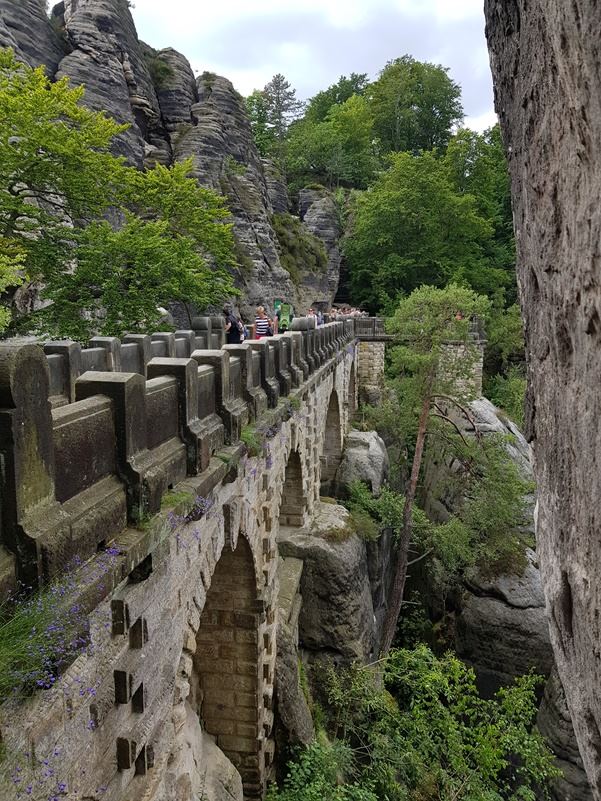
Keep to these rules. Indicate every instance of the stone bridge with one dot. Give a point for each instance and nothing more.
(148, 477)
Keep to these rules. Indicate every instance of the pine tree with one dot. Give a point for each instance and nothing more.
(282, 106)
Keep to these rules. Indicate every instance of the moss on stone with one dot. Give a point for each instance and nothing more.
(300, 251)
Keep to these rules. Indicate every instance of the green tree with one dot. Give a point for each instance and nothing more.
(319, 105)
(282, 108)
(258, 112)
(413, 227)
(338, 151)
(59, 183)
(415, 105)
(478, 167)
(431, 377)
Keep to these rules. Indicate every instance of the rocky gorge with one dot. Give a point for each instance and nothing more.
(333, 581)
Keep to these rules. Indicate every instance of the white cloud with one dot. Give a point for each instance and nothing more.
(442, 10)
(312, 43)
(482, 121)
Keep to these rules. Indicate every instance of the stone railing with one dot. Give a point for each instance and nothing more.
(369, 328)
(92, 438)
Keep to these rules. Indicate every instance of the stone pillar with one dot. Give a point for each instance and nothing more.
(33, 528)
(371, 371)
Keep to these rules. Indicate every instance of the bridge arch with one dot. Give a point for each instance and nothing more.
(228, 677)
(331, 453)
(294, 502)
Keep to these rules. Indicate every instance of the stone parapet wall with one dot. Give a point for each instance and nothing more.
(138, 485)
(89, 450)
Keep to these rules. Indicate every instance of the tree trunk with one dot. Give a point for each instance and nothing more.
(398, 586)
(546, 62)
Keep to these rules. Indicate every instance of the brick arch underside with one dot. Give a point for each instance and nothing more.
(332, 445)
(293, 506)
(229, 667)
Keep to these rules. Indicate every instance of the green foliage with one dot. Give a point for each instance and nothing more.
(253, 440)
(427, 735)
(487, 530)
(235, 167)
(300, 251)
(314, 776)
(257, 108)
(160, 71)
(338, 150)
(271, 110)
(58, 182)
(508, 392)
(413, 227)
(477, 166)
(335, 95)
(423, 324)
(415, 105)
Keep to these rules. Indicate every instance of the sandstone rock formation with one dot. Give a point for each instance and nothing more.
(24, 26)
(502, 629)
(198, 768)
(364, 458)
(173, 116)
(294, 723)
(546, 62)
(555, 723)
(320, 214)
(337, 615)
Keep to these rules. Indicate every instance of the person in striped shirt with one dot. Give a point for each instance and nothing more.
(263, 324)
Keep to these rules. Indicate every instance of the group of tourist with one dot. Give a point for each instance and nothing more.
(266, 326)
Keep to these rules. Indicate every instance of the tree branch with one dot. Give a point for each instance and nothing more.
(444, 417)
(419, 559)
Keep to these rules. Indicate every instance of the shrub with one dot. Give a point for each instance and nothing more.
(426, 735)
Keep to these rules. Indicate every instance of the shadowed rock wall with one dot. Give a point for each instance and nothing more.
(546, 63)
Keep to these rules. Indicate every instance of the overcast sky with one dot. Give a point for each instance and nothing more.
(313, 42)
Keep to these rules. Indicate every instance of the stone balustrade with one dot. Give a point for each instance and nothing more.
(93, 437)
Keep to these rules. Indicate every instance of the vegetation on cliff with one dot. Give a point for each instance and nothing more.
(425, 735)
(109, 244)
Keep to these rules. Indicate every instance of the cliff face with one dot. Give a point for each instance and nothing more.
(546, 63)
(173, 116)
(24, 26)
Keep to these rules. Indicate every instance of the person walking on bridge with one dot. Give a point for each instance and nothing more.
(263, 324)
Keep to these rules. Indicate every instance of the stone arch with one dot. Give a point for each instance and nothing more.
(229, 678)
(331, 453)
(293, 506)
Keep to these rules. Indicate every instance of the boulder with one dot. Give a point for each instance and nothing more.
(337, 614)
(502, 629)
(364, 458)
